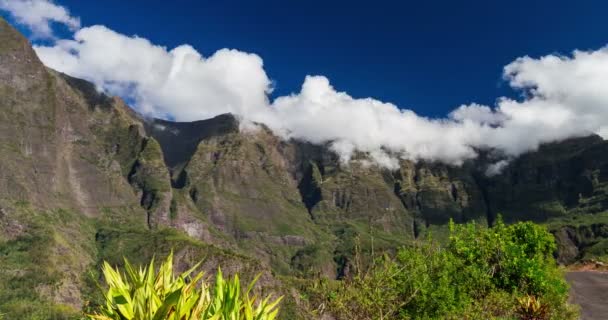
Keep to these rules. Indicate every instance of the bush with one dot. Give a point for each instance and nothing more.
(144, 294)
(515, 258)
(502, 271)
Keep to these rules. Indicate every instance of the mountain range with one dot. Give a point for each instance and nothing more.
(84, 178)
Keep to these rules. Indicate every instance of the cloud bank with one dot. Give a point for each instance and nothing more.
(564, 96)
(178, 82)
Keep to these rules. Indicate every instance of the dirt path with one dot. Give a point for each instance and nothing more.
(589, 289)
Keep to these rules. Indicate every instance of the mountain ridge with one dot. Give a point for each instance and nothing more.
(84, 178)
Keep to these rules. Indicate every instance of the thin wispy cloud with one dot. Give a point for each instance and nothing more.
(565, 97)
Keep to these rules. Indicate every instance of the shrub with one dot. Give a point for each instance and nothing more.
(416, 284)
(144, 294)
(482, 273)
(517, 258)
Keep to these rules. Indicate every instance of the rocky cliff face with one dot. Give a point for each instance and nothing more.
(252, 185)
(557, 179)
(80, 181)
(84, 178)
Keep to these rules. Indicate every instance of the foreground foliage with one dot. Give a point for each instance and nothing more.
(502, 272)
(143, 294)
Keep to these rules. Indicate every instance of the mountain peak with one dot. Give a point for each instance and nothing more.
(11, 38)
(19, 64)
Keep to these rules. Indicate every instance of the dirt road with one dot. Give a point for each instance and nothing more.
(589, 289)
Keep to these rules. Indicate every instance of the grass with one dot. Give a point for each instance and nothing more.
(59, 252)
(588, 233)
(40, 265)
(578, 220)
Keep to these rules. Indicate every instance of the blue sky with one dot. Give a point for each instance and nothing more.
(445, 78)
(429, 56)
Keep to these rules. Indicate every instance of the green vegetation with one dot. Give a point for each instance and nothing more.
(148, 295)
(150, 174)
(49, 259)
(34, 263)
(82, 182)
(502, 272)
(581, 237)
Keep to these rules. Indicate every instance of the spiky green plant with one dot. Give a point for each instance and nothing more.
(531, 308)
(144, 294)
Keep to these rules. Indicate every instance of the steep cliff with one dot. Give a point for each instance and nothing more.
(84, 178)
(80, 181)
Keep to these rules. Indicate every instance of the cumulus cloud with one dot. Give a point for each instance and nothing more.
(178, 82)
(477, 113)
(320, 114)
(564, 96)
(38, 15)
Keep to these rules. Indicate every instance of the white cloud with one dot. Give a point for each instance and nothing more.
(39, 14)
(496, 168)
(477, 113)
(178, 82)
(320, 114)
(565, 97)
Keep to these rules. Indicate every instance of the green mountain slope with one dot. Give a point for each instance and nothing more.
(83, 178)
(80, 182)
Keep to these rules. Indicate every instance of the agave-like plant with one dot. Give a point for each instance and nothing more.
(531, 308)
(144, 294)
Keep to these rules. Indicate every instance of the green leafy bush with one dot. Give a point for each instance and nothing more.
(143, 294)
(514, 258)
(481, 273)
